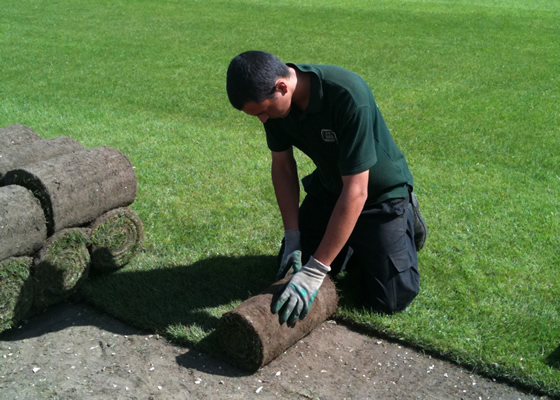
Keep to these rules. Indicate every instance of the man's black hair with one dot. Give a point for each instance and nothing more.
(251, 77)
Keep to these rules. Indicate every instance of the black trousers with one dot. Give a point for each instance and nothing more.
(384, 253)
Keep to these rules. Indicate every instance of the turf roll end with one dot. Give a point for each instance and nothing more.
(16, 290)
(61, 266)
(116, 237)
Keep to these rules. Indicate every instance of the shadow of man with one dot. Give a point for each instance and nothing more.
(166, 298)
(553, 359)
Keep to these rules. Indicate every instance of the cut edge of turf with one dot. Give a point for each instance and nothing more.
(495, 373)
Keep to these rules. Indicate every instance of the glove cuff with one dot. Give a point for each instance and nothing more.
(292, 235)
(318, 266)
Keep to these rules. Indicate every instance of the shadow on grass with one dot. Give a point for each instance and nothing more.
(162, 297)
(180, 301)
(183, 303)
(553, 359)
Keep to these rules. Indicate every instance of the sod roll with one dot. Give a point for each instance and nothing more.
(22, 222)
(24, 154)
(61, 266)
(16, 134)
(16, 290)
(116, 237)
(251, 336)
(74, 189)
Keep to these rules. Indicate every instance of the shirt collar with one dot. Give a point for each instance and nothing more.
(316, 87)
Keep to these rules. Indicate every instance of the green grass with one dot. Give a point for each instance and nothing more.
(468, 88)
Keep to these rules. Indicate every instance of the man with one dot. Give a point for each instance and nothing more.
(359, 199)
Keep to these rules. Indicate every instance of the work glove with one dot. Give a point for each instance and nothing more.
(299, 292)
(291, 257)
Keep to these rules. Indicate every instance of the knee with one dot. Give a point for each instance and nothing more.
(386, 306)
(392, 297)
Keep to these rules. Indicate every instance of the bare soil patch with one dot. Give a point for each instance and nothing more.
(72, 351)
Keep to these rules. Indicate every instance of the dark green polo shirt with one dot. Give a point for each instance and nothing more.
(343, 132)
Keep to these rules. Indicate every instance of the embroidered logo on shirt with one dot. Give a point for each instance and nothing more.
(328, 136)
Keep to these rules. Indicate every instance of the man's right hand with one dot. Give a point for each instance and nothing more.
(291, 257)
(299, 293)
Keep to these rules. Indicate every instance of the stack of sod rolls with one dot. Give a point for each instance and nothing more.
(63, 210)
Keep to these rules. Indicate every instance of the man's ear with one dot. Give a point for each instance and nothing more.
(281, 86)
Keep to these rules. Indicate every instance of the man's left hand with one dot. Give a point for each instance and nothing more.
(299, 292)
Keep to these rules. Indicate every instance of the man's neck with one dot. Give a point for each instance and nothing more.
(301, 95)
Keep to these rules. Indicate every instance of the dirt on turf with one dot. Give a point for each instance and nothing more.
(72, 351)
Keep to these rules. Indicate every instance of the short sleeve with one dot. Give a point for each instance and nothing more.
(275, 140)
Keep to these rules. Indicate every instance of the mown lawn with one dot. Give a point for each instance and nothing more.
(469, 89)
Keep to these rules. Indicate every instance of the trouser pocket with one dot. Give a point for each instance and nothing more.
(405, 282)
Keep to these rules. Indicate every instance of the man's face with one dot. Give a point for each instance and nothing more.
(275, 107)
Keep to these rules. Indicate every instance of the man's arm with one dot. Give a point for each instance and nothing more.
(286, 187)
(343, 219)
(299, 293)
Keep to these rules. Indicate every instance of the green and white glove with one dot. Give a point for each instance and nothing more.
(299, 292)
(291, 257)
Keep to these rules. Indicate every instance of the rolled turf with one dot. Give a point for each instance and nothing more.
(13, 157)
(61, 266)
(16, 290)
(116, 237)
(251, 336)
(23, 227)
(16, 134)
(74, 189)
